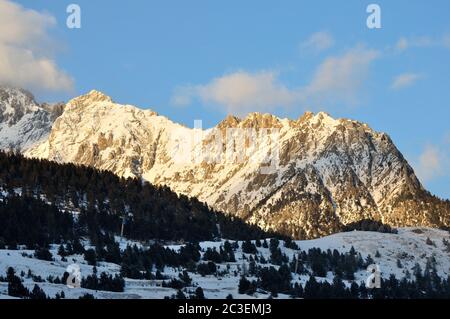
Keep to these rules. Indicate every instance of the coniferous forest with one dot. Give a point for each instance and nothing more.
(41, 198)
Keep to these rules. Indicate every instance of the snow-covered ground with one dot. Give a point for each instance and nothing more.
(410, 246)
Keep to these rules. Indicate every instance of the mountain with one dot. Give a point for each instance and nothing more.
(24, 122)
(329, 173)
(42, 202)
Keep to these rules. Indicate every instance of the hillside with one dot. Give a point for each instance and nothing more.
(408, 262)
(99, 202)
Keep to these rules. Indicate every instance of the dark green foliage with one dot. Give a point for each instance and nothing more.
(15, 286)
(276, 281)
(199, 293)
(246, 287)
(174, 284)
(341, 264)
(205, 269)
(180, 295)
(105, 282)
(91, 257)
(211, 254)
(184, 277)
(289, 243)
(426, 287)
(276, 256)
(248, 247)
(43, 254)
(227, 253)
(33, 223)
(38, 294)
(101, 198)
(369, 225)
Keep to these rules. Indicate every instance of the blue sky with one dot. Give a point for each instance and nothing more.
(182, 58)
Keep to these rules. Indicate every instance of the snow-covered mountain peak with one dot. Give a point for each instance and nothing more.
(328, 172)
(102, 104)
(93, 96)
(14, 104)
(321, 119)
(23, 122)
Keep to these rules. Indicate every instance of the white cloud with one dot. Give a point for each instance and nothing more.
(240, 92)
(25, 54)
(341, 77)
(422, 42)
(404, 80)
(337, 79)
(318, 42)
(432, 163)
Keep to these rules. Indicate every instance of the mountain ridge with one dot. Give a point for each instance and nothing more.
(329, 172)
(24, 122)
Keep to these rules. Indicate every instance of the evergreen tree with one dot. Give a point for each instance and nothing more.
(37, 293)
(91, 257)
(15, 286)
(248, 247)
(199, 293)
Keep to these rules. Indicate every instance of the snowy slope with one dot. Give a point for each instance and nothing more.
(409, 246)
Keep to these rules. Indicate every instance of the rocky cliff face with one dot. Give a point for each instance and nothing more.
(326, 172)
(23, 122)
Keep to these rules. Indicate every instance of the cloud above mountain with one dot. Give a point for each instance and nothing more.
(434, 161)
(404, 80)
(336, 79)
(405, 43)
(26, 58)
(241, 92)
(318, 42)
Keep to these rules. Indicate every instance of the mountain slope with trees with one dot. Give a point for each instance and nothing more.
(46, 195)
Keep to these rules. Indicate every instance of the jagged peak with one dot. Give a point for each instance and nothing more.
(258, 115)
(229, 121)
(92, 97)
(98, 96)
(319, 118)
(15, 103)
(261, 120)
(323, 114)
(306, 116)
(15, 93)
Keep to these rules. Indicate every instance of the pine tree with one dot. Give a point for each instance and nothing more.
(37, 293)
(244, 285)
(15, 286)
(248, 247)
(180, 295)
(199, 293)
(91, 257)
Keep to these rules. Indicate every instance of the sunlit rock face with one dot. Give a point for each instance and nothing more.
(327, 172)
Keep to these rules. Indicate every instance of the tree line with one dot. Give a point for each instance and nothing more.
(46, 193)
